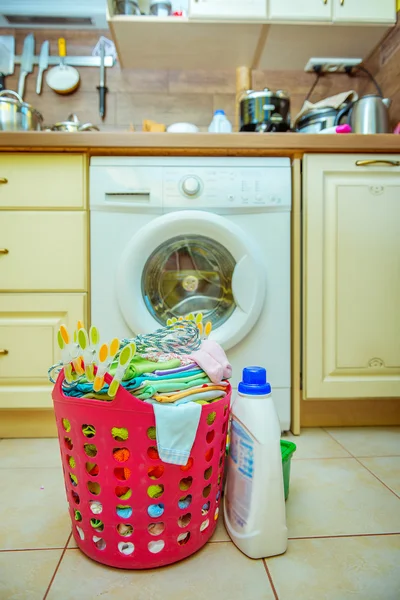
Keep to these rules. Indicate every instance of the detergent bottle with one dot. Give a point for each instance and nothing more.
(254, 504)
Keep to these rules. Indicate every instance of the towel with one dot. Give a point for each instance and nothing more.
(176, 428)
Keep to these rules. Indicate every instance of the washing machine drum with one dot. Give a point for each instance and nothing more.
(192, 262)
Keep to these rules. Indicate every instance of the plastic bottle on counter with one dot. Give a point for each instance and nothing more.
(254, 503)
(220, 124)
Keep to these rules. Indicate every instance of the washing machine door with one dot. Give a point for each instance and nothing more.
(190, 262)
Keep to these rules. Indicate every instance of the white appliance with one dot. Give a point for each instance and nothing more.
(52, 14)
(171, 236)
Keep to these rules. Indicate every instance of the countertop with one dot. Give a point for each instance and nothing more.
(195, 144)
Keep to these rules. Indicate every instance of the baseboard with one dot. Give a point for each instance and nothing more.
(27, 424)
(350, 413)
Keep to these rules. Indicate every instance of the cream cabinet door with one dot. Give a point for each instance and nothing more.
(300, 10)
(28, 344)
(228, 9)
(351, 228)
(30, 181)
(364, 11)
(43, 250)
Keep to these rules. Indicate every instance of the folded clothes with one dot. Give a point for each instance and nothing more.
(197, 391)
(139, 365)
(151, 387)
(212, 359)
(177, 370)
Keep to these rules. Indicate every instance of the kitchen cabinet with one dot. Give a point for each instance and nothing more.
(228, 9)
(351, 276)
(364, 11)
(28, 344)
(306, 10)
(43, 268)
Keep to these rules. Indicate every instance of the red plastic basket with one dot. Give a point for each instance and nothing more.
(136, 540)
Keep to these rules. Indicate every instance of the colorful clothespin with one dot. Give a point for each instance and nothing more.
(105, 358)
(69, 353)
(124, 360)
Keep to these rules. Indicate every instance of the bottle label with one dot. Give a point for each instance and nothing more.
(240, 475)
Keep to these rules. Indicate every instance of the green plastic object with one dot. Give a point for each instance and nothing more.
(287, 450)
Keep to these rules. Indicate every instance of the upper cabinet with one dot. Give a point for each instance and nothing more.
(306, 10)
(365, 11)
(228, 9)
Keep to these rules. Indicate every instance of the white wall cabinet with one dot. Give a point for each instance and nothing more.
(364, 11)
(305, 10)
(351, 276)
(228, 9)
(341, 11)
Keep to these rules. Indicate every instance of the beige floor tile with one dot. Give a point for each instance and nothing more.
(217, 572)
(359, 568)
(338, 496)
(31, 517)
(15, 454)
(26, 575)
(220, 534)
(369, 441)
(387, 468)
(315, 443)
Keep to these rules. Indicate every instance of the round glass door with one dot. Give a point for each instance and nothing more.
(189, 274)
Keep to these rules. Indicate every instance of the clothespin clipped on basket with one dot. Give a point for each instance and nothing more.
(89, 346)
(124, 360)
(69, 354)
(105, 357)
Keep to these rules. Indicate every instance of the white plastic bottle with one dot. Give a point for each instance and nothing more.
(220, 123)
(254, 504)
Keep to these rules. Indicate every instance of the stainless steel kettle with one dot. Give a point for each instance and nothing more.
(369, 114)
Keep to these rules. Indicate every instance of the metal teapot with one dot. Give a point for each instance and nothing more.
(369, 114)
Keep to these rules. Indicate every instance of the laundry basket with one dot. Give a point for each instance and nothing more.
(128, 508)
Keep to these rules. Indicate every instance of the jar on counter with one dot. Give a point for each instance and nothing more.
(160, 8)
(126, 7)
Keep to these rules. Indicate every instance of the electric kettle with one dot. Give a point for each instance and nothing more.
(369, 114)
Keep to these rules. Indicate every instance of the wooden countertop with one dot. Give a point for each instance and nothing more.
(189, 144)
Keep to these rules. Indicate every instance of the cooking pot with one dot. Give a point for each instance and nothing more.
(265, 111)
(73, 124)
(370, 114)
(17, 115)
(317, 119)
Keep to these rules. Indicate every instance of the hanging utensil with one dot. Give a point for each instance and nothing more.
(7, 54)
(43, 64)
(63, 79)
(26, 62)
(102, 87)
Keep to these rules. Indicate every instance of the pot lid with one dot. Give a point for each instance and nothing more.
(267, 93)
(11, 97)
(314, 114)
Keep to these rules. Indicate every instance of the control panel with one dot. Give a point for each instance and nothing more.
(227, 187)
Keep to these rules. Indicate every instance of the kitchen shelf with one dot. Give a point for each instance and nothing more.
(150, 42)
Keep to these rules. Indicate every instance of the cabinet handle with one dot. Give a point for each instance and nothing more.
(3, 180)
(367, 163)
(3, 352)
(4, 251)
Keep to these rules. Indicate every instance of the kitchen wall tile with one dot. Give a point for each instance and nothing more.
(192, 108)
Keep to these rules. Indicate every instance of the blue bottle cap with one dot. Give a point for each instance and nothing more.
(254, 382)
(219, 112)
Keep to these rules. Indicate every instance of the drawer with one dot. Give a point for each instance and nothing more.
(28, 344)
(43, 251)
(31, 181)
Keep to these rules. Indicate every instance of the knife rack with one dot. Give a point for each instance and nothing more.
(74, 61)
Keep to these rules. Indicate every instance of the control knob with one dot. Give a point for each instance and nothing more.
(191, 186)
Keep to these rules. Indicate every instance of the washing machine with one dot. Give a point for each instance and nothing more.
(174, 236)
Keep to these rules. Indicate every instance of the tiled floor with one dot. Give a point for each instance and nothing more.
(343, 516)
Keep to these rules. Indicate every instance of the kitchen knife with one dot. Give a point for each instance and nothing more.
(26, 62)
(7, 54)
(102, 87)
(43, 64)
